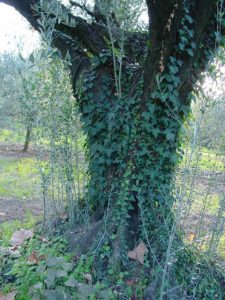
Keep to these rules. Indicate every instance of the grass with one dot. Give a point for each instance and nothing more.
(7, 228)
(11, 136)
(210, 203)
(18, 177)
(203, 160)
(221, 247)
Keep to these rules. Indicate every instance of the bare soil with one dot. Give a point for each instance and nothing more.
(16, 209)
(15, 150)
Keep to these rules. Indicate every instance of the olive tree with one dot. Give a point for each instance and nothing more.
(133, 88)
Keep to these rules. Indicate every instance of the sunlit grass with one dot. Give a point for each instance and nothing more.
(11, 136)
(203, 160)
(210, 204)
(18, 177)
(207, 213)
(221, 246)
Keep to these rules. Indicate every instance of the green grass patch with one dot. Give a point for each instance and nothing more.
(203, 160)
(221, 247)
(18, 177)
(208, 204)
(12, 136)
(7, 228)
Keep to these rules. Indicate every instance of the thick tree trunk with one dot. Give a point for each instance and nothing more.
(132, 155)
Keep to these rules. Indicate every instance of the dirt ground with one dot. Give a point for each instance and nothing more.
(15, 150)
(14, 209)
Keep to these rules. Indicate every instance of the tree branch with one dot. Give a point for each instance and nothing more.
(165, 23)
(24, 7)
(83, 7)
(87, 34)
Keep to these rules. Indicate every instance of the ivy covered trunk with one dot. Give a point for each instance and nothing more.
(132, 149)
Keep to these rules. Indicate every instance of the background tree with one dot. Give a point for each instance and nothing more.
(10, 90)
(133, 90)
(19, 102)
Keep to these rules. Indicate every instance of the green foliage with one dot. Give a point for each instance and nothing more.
(44, 103)
(199, 276)
(84, 266)
(25, 272)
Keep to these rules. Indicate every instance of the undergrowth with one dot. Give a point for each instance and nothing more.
(42, 269)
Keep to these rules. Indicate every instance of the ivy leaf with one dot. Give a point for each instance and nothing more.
(181, 46)
(41, 269)
(189, 19)
(173, 69)
(55, 262)
(51, 276)
(193, 45)
(170, 136)
(71, 282)
(155, 132)
(60, 273)
(67, 266)
(56, 295)
(190, 52)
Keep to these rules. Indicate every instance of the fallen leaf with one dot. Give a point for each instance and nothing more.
(138, 253)
(63, 217)
(20, 236)
(88, 277)
(33, 258)
(43, 239)
(10, 296)
(191, 237)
